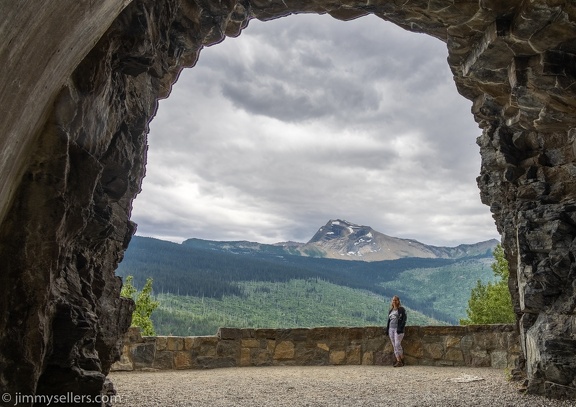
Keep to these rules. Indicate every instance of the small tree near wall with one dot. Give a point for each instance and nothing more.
(492, 303)
(145, 305)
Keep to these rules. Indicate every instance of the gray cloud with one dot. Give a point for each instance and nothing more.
(304, 119)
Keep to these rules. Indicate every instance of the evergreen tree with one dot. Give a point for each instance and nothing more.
(144, 305)
(492, 303)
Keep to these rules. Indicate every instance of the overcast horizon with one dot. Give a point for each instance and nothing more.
(306, 119)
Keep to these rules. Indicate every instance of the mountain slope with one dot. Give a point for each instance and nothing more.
(295, 303)
(438, 288)
(342, 240)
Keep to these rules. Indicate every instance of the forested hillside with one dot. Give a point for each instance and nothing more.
(289, 304)
(437, 288)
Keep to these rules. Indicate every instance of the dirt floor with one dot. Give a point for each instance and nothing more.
(332, 386)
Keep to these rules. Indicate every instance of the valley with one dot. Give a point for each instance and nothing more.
(207, 285)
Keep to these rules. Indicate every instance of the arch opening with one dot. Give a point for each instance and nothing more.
(275, 132)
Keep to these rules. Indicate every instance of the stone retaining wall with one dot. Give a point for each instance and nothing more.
(494, 346)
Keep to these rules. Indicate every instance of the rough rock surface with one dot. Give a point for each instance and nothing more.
(73, 151)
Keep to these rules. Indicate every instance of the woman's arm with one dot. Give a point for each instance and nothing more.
(402, 319)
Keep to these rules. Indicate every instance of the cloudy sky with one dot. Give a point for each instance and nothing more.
(305, 119)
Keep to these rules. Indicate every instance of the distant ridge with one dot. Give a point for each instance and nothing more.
(203, 283)
(343, 240)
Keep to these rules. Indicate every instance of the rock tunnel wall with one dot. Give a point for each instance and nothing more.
(73, 153)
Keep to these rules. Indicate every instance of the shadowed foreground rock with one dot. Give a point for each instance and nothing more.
(80, 82)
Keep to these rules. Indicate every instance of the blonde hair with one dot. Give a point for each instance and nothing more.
(395, 298)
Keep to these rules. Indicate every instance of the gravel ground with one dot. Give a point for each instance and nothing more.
(334, 386)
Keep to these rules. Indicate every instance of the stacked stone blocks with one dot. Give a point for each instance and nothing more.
(494, 346)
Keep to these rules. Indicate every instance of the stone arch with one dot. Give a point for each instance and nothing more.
(73, 150)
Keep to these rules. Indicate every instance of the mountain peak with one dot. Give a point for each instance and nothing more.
(344, 240)
(341, 239)
(338, 228)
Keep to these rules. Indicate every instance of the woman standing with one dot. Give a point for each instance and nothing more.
(395, 329)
